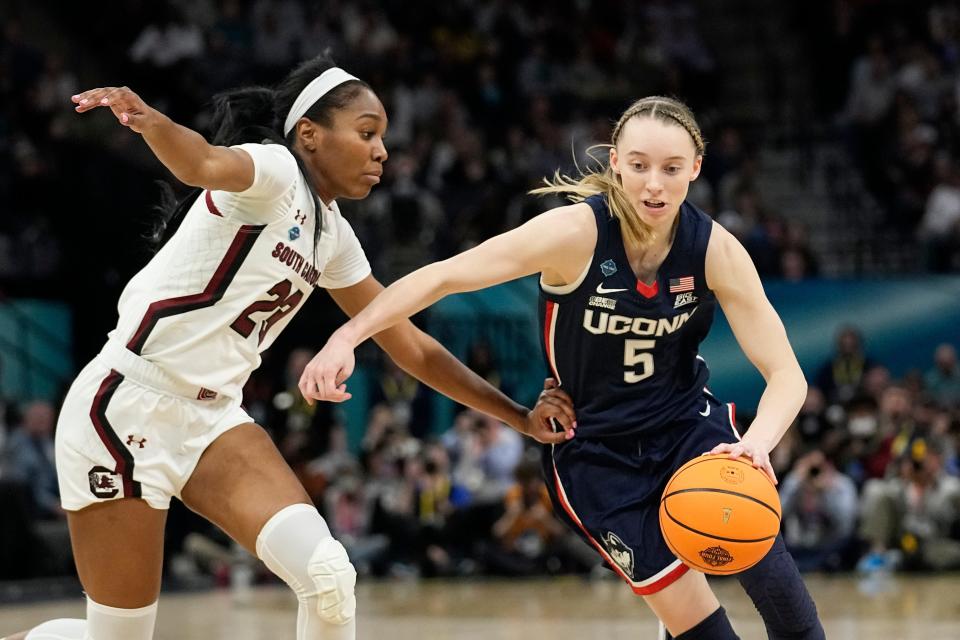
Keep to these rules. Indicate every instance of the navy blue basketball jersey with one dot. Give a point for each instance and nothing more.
(627, 351)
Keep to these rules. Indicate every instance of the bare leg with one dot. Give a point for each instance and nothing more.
(240, 482)
(243, 485)
(685, 603)
(118, 549)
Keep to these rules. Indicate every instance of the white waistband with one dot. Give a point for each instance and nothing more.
(116, 356)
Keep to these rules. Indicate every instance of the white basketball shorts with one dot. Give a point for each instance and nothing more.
(128, 429)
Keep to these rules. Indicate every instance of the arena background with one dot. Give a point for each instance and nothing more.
(833, 135)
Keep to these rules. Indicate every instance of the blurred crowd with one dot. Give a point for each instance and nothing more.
(485, 99)
(901, 116)
(870, 479)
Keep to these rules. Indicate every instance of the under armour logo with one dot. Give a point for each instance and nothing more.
(131, 441)
(300, 217)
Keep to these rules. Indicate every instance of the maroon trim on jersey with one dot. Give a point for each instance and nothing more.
(211, 206)
(119, 453)
(242, 244)
(648, 290)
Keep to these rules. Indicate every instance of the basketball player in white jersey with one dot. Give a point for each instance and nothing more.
(157, 413)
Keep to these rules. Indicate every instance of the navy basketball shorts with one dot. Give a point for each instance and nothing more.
(608, 489)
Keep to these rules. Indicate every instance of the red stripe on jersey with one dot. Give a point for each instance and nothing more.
(548, 338)
(211, 206)
(237, 252)
(98, 415)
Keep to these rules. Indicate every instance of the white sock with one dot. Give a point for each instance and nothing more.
(110, 623)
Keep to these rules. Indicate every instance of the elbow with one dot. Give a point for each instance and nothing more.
(802, 385)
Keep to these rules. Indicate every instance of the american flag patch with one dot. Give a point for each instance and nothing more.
(679, 285)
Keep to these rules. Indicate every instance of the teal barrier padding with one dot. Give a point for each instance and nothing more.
(902, 321)
(36, 346)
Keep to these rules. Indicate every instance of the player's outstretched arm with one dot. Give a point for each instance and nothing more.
(557, 243)
(759, 331)
(427, 360)
(183, 151)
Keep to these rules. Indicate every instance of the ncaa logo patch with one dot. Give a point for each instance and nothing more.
(608, 267)
(294, 233)
(716, 556)
(619, 552)
(103, 482)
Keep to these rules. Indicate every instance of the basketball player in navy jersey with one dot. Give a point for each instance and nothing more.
(629, 278)
(158, 412)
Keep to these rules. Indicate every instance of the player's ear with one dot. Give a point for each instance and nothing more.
(309, 134)
(614, 161)
(697, 165)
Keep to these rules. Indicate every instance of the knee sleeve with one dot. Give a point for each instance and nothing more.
(716, 626)
(777, 590)
(102, 623)
(296, 545)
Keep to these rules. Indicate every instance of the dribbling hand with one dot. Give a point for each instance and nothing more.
(126, 105)
(323, 378)
(746, 448)
(552, 405)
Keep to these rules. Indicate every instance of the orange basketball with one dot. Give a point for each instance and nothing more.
(719, 515)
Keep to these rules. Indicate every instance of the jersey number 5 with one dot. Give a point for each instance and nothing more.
(282, 303)
(634, 355)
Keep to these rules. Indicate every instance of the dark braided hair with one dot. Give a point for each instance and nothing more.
(256, 114)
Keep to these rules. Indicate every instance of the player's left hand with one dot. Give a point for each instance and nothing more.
(323, 378)
(753, 451)
(553, 405)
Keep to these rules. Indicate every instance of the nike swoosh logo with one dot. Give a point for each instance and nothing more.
(601, 290)
(706, 412)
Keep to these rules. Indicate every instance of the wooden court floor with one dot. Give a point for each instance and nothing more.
(902, 608)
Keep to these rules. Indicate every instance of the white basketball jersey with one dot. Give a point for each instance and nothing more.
(234, 274)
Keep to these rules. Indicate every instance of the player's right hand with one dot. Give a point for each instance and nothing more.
(323, 378)
(554, 407)
(126, 105)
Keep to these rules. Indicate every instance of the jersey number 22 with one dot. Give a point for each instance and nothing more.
(281, 303)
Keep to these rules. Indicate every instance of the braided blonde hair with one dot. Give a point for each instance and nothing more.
(638, 232)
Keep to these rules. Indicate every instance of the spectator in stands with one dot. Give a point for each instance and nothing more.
(524, 536)
(29, 458)
(942, 382)
(819, 513)
(909, 520)
(841, 376)
(939, 230)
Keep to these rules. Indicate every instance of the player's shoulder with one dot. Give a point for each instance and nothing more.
(577, 217)
(272, 152)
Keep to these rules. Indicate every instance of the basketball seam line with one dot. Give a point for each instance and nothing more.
(726, 491)
(710, 535)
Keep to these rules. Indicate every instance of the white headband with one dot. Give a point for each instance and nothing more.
(318, 87)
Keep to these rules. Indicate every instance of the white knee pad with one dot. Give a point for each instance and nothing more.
(62, 629)
(296, 545)
(335, 579)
